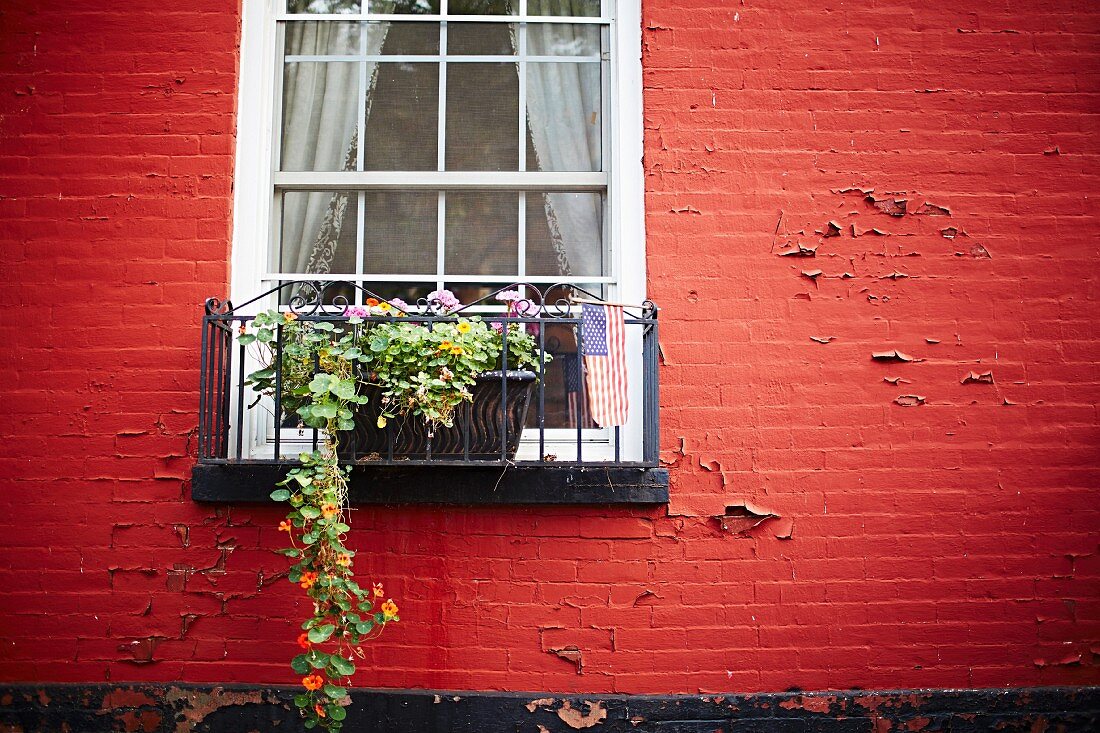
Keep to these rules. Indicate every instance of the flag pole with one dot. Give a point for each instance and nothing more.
(605, 302)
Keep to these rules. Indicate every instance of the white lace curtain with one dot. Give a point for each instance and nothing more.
(564, 114)
(319, 134)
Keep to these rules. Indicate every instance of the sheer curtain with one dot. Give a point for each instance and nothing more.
(564, 114)
(320, 106)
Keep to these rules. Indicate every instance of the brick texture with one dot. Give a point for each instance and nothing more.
(823, 184)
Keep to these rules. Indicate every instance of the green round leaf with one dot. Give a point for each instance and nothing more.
(321, 633)
(280, 495)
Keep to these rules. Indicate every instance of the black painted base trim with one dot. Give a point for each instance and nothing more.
(253, 482)
(238, 708)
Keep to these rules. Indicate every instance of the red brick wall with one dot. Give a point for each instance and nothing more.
(951, 542)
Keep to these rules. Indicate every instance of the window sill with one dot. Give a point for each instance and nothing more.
(464, 485)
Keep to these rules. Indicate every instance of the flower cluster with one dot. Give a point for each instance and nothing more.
(444, 301)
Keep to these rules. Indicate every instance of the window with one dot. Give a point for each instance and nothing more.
(410, 145)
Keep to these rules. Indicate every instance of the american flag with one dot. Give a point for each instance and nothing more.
(603, 333)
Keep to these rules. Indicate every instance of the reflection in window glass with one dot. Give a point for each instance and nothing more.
(482, 232)
(318, 232)
(565, 117)
(402, 118)
(320, 101)
(404, 7)
(483, 7)
(481, 39)
(399, 235)
(575, 8)
(565, 234)
(321, 38)
(482, 111)
(322, 7)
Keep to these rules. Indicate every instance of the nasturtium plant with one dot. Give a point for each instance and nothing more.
(318, 367)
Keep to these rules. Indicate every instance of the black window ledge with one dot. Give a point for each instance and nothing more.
(426, 484)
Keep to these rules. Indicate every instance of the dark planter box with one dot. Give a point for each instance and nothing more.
(476, 435)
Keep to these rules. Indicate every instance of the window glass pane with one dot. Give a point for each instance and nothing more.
(561, 39)
(402, 113)
(480, 39)
(322, 6)
(404, 7)
(408, 292)
(482, 112)
(576, 8)
(564, 117)
(321, 38)
(410, 38)
(320, 104)
(482, 232)
(467, 293)
(318, 232)
(483, 7)
(399, 232)
(563, 406)
(565, 234)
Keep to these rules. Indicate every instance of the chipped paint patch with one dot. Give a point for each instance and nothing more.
(594, 714)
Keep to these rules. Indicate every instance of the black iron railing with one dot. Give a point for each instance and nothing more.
(534, 416)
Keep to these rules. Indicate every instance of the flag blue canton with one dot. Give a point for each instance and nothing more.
(594, 328)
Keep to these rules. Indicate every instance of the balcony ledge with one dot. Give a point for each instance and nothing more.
(576, 484)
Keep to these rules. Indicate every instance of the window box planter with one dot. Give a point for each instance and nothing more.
(476, 434)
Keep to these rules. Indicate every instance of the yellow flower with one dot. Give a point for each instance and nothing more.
(445, 345)
(463, 327)
(456, 350)
(389, 609)
(330, 510)
(384, 306)
(381, 422)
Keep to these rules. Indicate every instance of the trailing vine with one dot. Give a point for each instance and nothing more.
(316, 368)
(319, 377)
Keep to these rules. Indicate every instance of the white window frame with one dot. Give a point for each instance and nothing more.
(254, 198)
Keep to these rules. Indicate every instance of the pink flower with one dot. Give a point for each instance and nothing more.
(357, 310)
(444, 299)
(508, 296)
(399, 304)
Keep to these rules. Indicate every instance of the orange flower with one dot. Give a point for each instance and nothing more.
(389, 609)
(329, 510)
(319, 710)
(372, 302)
(284, 526)
(308, 579)
(343, 560)
(378, 592)
(313, 682)
(288, 316)
(303, 641)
